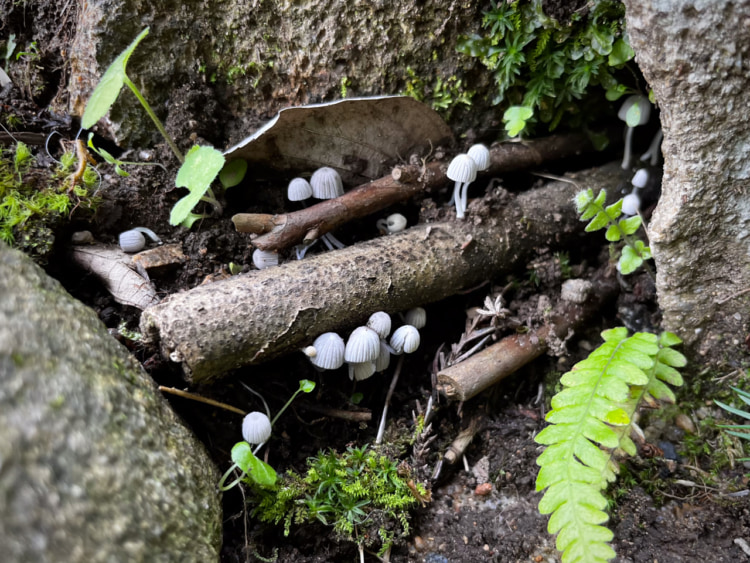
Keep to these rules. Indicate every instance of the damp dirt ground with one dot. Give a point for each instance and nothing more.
(679, 500)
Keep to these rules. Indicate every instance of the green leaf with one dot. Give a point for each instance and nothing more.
(616, 93)
(106, 92)
(633, 115)
(630, 225)
(669, 339)
(515, 118)
(306, 386)
(188, 221)
(258, 471)
(613, 233)
(629, 261)
(233, 172)
(621, 53)
(200, 168)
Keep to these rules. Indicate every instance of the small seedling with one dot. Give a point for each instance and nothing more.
(515, 118)
(199, 168)
(635, 251)
(733, 429)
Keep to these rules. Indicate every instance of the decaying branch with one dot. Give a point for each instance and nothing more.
(466, 379)
(283, 231)
(260, 315)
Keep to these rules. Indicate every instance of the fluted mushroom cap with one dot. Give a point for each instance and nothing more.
(462, 169)
(265, 258)
(416, 317)
(256, 428)
(405, 340)
(481, 155)
(299, 189)
(363, 345)
(329, 351)
(380, 322)
(326, 183)
(360, 371)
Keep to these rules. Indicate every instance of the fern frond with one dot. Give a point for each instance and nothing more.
(590, 419)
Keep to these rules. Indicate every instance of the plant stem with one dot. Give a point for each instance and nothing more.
(396, 373)
(155, 119)
(289, 402)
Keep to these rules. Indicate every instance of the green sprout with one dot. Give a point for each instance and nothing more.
(199, 168)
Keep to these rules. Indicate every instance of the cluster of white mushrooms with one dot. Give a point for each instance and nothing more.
(463, 170)
(631, 203)
(368, 349)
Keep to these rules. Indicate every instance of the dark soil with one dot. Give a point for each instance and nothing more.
(666, 507)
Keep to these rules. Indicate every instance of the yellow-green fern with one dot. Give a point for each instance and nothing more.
(589, 421)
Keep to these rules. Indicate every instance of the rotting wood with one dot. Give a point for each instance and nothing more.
(467, 379)
(283, 231)
(257, 316)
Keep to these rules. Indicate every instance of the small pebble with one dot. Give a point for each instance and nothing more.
(684, 422)
(483, 490)
(435, 558)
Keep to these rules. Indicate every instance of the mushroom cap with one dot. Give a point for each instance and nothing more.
(384, 359)
(363, 345)
(405, 340)
(361, 370)
(462, 169)
(326, 183)
(380, 322)
(481, 155)
(631, 203)
(132, 241)
(256, 428)
(416, 317)
(395, 223)
(299, 189)
(329, 351)
(265, 258)
(640, 178)
(643, 104)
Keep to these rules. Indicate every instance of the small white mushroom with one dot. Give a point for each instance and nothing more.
(384, 358)
(256, 428)
(635, 111)
(326, 183)
(481, 155)
(299, 190)
(394, 223)
(263, 259)
(134, 241)
(380, 322)
(363, 346)
(329, 351)
(640, 178)
(463, 171)
(361, 370)
(416, 317)
(405, 340)
(631, 204)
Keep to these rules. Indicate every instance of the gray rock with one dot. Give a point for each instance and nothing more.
(94, 465)
(696, 57)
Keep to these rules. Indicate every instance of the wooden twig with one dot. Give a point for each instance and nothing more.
(354, 416)
(466, 379)
(260, 315)
(283, 231)
(201, 399)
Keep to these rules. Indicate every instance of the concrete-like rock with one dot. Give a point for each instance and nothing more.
(695, 55)
(94, 465)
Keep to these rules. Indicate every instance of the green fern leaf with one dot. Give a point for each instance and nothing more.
(590, 419)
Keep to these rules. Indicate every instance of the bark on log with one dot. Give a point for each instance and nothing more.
(467, 379)
(283, 231)
(257, 316)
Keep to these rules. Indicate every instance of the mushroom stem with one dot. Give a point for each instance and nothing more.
(652, 154)
(329, 240)
(464, 198)
(381, 426)
(457, 200)
(626, 157)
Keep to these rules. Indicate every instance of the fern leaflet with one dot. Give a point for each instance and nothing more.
(589, 421)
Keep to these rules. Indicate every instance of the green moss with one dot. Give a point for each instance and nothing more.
(363, 495)
(35, 201)
(443, 95)
(551, 66)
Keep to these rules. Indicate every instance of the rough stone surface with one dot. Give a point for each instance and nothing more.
(94, 465)
(696, 57)
(255, 58)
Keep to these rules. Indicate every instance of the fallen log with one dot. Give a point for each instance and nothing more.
(285, 230)
(467, 379)
(257, 316)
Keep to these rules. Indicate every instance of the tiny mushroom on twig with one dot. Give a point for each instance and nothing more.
(326, 184)
(256, 428)
(635, 111)
(481, 156)
(299, 189)
(463, 171)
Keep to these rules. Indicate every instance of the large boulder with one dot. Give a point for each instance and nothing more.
(94, 465)
(695, 56)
